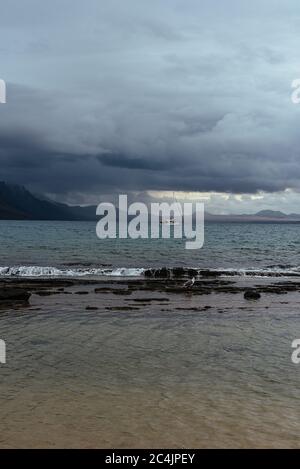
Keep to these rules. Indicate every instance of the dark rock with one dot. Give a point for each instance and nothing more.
(45, 293)
(102, 290)
(210, 273)
(252, 295)
(91, 308)
(178, 272)
(122, 292)
(81, 293)
(149, 273)
(162, 273)
(12, 295)
(192, 273)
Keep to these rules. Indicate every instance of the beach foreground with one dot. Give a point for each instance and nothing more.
(144, 362)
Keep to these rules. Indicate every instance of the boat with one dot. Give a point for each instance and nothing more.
(172, 221)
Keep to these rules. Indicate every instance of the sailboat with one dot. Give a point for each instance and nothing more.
(171, 221)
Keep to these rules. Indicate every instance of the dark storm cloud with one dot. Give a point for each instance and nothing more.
(138, 95)
(123, 161)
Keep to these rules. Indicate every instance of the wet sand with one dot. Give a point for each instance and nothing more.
(146, 363)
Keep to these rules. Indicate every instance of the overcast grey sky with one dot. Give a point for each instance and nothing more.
(162, 95)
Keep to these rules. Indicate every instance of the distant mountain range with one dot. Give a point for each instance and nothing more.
(17, 203)
(263, 216)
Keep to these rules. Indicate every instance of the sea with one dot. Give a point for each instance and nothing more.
(156, 376)
(41, 248)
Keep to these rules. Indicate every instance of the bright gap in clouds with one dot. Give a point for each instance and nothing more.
(287, 201)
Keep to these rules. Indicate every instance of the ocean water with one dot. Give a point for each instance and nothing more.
(186, 371)
(72, 248)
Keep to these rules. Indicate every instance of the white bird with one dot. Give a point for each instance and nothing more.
(190, 283)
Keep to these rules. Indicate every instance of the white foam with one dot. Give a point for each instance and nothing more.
(38, 271)
(123, 272)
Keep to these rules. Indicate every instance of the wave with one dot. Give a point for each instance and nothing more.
(164, 272)
(38, 271)
(268, 271)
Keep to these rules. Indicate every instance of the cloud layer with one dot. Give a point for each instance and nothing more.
(121, 96)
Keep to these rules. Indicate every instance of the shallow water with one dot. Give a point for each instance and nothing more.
(151, 377)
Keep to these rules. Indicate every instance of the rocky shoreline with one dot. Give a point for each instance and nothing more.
(18, 291)
(181, 272)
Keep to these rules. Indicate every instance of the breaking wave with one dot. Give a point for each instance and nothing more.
(164, 272)
(37, 271)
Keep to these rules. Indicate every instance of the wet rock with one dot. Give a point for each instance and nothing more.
(178, 272)
(122, 292)
(45, 293)
(14, 295)
(210, 273)
(192, 273)
(162, 273)
(149, 273)
(102, 290)
(252, 295)
(157, 273)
